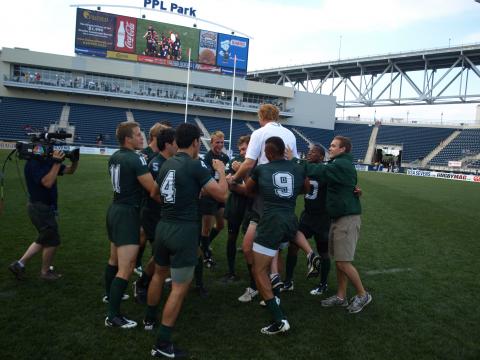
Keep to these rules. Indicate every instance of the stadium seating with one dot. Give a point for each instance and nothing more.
(19, 116)
(467, 143)
(417, 142)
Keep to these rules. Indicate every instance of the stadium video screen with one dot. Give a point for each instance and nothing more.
(126, 38)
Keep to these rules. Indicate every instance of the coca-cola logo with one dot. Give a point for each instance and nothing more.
(130, 34)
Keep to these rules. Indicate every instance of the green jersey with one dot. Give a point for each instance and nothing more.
(180, 180)
(124, 167)
(208, 160)
(341, 178)
(154, 167)
(278, 183)
(316, 198)
(236, 203)
(149, 153)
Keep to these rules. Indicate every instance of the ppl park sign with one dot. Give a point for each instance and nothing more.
(162, 5)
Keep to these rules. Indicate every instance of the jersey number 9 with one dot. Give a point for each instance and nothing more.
(283, 182)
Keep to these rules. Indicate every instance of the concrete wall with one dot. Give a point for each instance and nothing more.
(313, 110)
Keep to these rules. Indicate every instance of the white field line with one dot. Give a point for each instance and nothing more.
(387, 271)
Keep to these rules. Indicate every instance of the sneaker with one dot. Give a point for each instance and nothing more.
(120, 322)
(359, 302)
(50, 275)
(322, 288)
(124, 297)
(264, 304)
(276, 281)
(209, 263)
(276, 328)
(334, 301)
(138, 270)
(17, 270)
(248, 295)
(313, 265)
(287, 286)
(149, 324)
(169, 350)
(201, 291)
(139, 292)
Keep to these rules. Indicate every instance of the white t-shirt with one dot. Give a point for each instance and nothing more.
(256, 147)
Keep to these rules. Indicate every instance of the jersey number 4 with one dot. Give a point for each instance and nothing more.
(283, 182)
(168, 187)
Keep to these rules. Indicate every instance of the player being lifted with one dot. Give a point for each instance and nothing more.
(180, 181)
(277, 183)
(211, 210)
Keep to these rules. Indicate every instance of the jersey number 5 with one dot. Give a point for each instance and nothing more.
(312, 195)
(283, 182)
(168, 187)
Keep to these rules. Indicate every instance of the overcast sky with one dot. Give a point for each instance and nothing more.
(285, 32)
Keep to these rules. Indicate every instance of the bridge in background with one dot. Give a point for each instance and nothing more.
(435, 76)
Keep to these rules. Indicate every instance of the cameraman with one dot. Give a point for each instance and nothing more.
(41, 177)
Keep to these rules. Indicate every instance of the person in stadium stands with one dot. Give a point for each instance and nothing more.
(268, 118)
(41, 177)
(235, 210)
(210, 209)
(314, 222)
(151, 209)
(147, 231)
(277, 183)
(180, 181)
(129, 176)
(343, 207)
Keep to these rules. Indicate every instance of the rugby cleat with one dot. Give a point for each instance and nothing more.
(276, 328)
(169, 350)
(120, 322)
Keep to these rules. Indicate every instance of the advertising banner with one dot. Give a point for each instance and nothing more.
(454, 164)
(207, 47)
(228, 47)
(166, 41)
(122, 56)
(94, 30)
(125, 36)
(443, 175)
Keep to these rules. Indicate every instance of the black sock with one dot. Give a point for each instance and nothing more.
(144, 279)
(231, 252)
(199, 273)
(110, 272)
(213, 233)
(324, 270)
(253, 285)
(117, 289)
(290, 267)
(204, 245)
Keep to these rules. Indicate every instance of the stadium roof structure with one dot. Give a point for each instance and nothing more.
(432, 76)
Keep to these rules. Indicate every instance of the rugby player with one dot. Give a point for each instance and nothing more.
(151, 210)
(277, 183)
(180, 181)
(210, 209)
(129, 176)
(235, 210)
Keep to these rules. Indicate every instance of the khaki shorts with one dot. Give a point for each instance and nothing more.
(343, 237)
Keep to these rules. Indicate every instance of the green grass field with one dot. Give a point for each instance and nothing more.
(418, 255)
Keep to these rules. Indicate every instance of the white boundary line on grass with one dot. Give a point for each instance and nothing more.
(387, 271)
